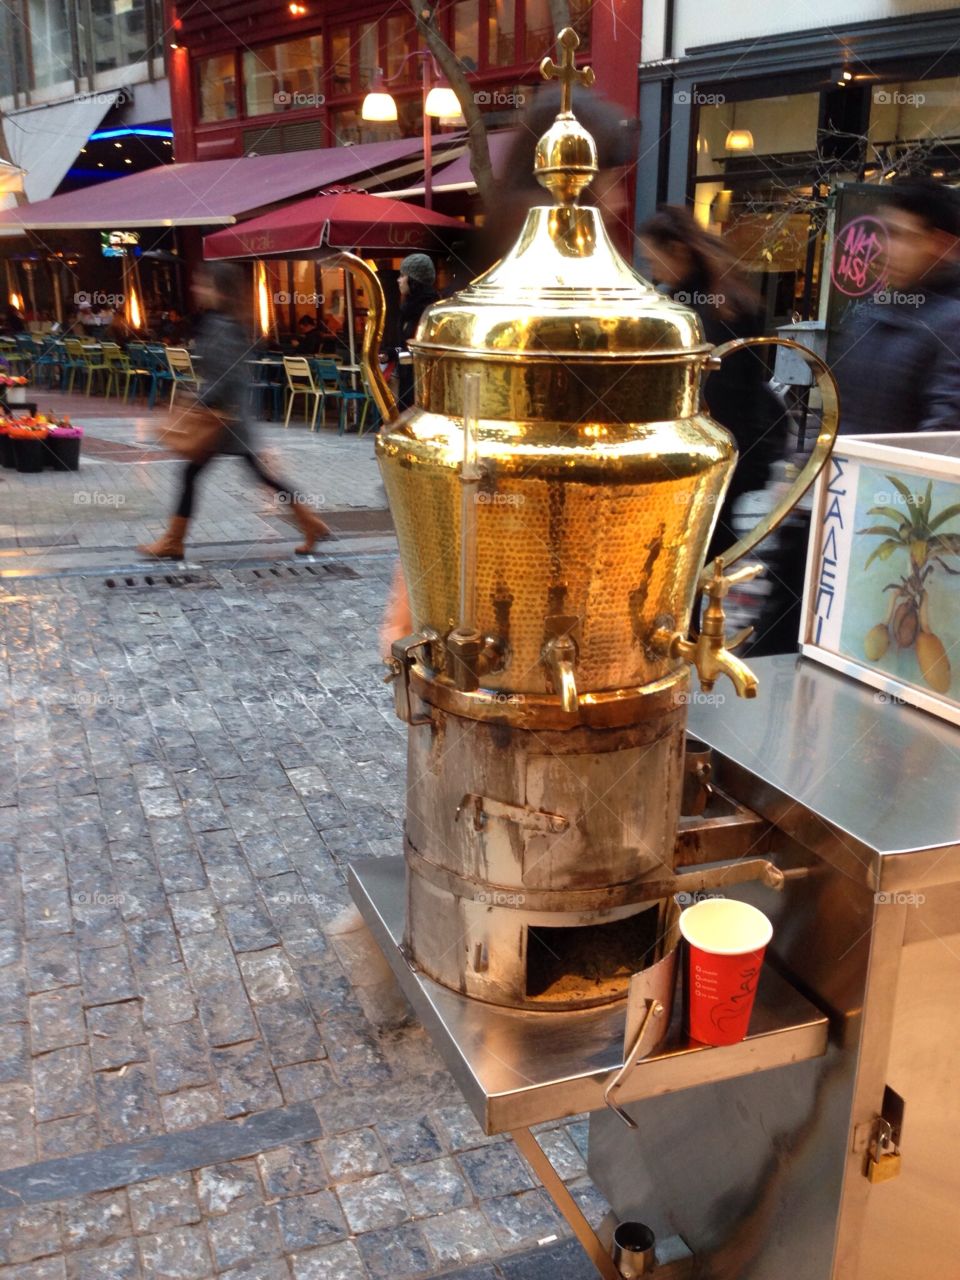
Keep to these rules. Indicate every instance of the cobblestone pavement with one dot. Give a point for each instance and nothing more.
(123, 493)
(189, 1087)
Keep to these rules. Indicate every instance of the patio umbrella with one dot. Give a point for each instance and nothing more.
(342, 220)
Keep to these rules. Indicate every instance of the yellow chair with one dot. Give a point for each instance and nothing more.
(119, 366)
(181, 370)
(300, 383)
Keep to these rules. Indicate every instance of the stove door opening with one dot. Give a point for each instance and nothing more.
(590, 962)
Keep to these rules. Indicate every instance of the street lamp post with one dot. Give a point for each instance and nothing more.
(439, 100)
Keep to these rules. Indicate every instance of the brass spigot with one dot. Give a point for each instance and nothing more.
(710, 653)
(560, 657)
(471, 656)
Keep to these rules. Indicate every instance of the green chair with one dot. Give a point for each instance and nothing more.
(327, 374)
(94, 365)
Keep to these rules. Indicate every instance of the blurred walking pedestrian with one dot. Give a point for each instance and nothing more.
(222, 348)
(897, 359)
(697, 269)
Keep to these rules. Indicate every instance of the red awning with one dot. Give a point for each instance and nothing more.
(208, 192)
(345, 220)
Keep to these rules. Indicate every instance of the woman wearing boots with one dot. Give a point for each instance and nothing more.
(222, 349)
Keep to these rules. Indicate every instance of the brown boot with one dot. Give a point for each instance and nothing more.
(314, 529)
(169, 546)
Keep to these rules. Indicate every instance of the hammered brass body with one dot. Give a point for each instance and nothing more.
(601, 478)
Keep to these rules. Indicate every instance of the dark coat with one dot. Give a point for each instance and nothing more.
(897, 361)
(223, 349)
(411, 309)
(738, 396)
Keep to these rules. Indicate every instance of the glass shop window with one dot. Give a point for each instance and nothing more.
(368, 54)
(539, 40)
(914, 111)
(731, 132)
(283, 77)
(119, 32)
(398, 32)
(217, 88)
(49, 42)
(501, 32)
(466, 32)
(341, 74)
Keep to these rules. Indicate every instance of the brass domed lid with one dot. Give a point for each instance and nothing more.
(563, 289)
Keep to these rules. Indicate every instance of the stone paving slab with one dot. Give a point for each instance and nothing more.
(189, 772)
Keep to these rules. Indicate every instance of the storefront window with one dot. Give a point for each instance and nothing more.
(49, 42)
(776, 126)
(119, 32)
(914, 111)
(368, 55)
(466, 32)
(397, 32)
(342, 80)
(281, 77)
(539, 40)
(348, 128)
(502, 32)
(217, 88)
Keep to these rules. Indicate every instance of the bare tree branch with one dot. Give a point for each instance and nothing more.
(452, 68)
(560, 15)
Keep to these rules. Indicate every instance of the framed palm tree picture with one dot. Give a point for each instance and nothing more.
(882, 591)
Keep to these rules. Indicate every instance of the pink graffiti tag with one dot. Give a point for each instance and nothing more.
(860, 257)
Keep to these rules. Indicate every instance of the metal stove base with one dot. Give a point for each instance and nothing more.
(518, 1068)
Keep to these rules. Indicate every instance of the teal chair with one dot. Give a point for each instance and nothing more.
(352, 395)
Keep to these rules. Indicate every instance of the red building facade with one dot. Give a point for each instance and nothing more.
(270, 76)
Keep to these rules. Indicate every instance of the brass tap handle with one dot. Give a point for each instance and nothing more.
(709, 653)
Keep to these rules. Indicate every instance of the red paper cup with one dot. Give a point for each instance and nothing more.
(725, 940)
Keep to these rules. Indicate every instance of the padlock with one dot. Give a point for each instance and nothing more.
(883, 1158)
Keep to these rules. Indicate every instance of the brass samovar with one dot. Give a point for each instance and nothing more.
(554, 491)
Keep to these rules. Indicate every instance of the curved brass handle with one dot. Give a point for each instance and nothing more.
(372, 333)
(821, 451)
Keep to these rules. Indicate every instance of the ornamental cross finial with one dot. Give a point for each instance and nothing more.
(566, 72)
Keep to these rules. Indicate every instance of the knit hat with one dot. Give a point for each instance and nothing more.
(417, 266)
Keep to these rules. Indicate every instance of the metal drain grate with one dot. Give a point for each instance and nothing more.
(139, 581)
(271, 574)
